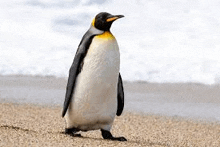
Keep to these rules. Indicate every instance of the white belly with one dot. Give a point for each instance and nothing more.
(94, 103)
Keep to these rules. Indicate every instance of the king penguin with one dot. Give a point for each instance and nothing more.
(94, 92)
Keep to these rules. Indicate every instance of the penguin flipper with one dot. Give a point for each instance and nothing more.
(73, 73)
(120, 96)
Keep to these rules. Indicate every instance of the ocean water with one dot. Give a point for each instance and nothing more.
(160, 41)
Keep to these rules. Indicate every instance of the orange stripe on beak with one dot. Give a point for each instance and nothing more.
(112, 19)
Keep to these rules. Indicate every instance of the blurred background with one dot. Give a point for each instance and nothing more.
(171, 41)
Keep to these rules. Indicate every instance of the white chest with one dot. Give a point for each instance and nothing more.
(103, 58)
(94, 102)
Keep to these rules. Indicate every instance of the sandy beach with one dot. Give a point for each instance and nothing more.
(29, 125)
(30, 115)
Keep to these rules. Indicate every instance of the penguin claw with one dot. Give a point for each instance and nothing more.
(117, 138)
(108, 135)
(72, 132)
(121, 139)
(75, 135)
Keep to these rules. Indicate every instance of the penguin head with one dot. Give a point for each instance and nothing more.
(104, 20)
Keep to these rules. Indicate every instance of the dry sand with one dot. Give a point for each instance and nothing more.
(31, 125)
(30, 115)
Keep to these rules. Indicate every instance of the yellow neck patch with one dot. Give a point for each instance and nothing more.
(106, 35)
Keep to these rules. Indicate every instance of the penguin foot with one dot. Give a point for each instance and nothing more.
(108, 135)
(72, 132)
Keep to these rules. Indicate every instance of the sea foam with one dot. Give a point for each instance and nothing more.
(160, 41)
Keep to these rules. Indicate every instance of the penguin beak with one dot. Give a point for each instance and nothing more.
(113, 17)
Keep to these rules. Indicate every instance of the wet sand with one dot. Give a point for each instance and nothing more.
(195, 101)
(30, 115)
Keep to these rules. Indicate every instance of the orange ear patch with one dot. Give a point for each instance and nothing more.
(93, 22)
(111, 19)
